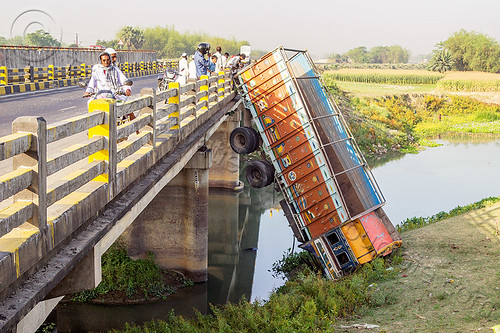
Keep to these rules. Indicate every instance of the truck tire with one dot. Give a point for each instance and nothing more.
(244, 140)
(260, 173)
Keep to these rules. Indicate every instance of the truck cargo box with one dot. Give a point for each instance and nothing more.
(331, 198)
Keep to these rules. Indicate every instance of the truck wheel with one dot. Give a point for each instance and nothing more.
(244, 140)
(260, 173)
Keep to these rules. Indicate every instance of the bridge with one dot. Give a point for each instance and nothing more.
(70, 189)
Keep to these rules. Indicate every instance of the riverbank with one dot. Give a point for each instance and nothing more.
(403, 123)
(444, 279)
(449, 280)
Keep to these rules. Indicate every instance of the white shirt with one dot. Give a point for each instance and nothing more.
(223, 61)
(183, 71)
(106, 78)
(183, 67)
(218, 64)
(192, 69)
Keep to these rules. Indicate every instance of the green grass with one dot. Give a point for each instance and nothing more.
(417, 222)
(307, 303)
(386, 77)
(124, 277)
(428, 143)
(376, 90)
(448, 279)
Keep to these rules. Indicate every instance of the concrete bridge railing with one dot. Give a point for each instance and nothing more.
(64, 175)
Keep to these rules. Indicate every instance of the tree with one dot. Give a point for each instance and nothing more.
(132, 38)
(441, 62)
(473, 51)
(41, 38)
(379, 54)
(358, 55)
(170, 44)
(108, 43)
(398, 55)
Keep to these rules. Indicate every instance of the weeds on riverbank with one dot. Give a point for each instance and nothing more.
(125, 278)
(307, 303)
(376, 131)
(417, 222)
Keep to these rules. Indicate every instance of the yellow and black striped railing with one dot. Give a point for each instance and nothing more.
(29, 78)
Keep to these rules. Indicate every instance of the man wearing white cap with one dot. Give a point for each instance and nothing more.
(112, 55)
(183, 69)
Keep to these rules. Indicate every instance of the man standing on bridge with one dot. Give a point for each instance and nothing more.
(201, 63)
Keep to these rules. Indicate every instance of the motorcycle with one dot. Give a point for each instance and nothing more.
(170, 75)
(120, 96)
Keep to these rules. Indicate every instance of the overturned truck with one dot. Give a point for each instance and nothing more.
(331, 200)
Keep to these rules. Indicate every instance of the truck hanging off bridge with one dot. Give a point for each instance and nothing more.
(331, 199)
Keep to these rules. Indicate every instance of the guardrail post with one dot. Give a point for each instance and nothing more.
(36, 158)
(151, 110)
(83, 70)
(68, 71)
(125, 67)
(108, 130)
(142, 66)
(28, 74)
(175, 100)
(50, 72)
(220, 86)
(4, 75)
(204, 88)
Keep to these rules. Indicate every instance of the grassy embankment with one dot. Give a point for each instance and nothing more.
(392, 110)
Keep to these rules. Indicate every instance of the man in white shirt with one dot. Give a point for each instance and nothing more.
(183, 69)
(192, 69)
(107, 80)
(225, 57)
(218, 64)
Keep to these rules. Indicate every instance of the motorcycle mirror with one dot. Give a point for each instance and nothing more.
(128, 83)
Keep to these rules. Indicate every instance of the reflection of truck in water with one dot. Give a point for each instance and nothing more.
(331, 199)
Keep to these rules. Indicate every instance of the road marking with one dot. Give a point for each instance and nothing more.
(66, 109)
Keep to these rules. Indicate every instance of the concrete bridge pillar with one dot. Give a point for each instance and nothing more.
(174, 226)
(224, 172)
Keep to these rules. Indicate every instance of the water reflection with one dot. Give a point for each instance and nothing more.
(440, 178)
(234, 221)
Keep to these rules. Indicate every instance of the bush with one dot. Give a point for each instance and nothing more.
(133, 278)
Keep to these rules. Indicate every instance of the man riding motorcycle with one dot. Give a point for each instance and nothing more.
(107, 81)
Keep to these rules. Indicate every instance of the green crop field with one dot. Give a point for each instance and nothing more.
(376, 82)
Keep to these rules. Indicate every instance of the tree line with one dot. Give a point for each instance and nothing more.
(462, 51)
(467, 51)
(168, 42)
(394, 54)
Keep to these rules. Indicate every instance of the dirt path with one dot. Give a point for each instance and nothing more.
(449, 280)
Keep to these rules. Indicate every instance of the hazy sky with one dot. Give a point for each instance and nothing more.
(321, 26)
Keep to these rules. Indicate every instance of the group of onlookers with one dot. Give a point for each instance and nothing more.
(204, 63)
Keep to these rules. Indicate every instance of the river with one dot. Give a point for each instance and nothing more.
(252, 233)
